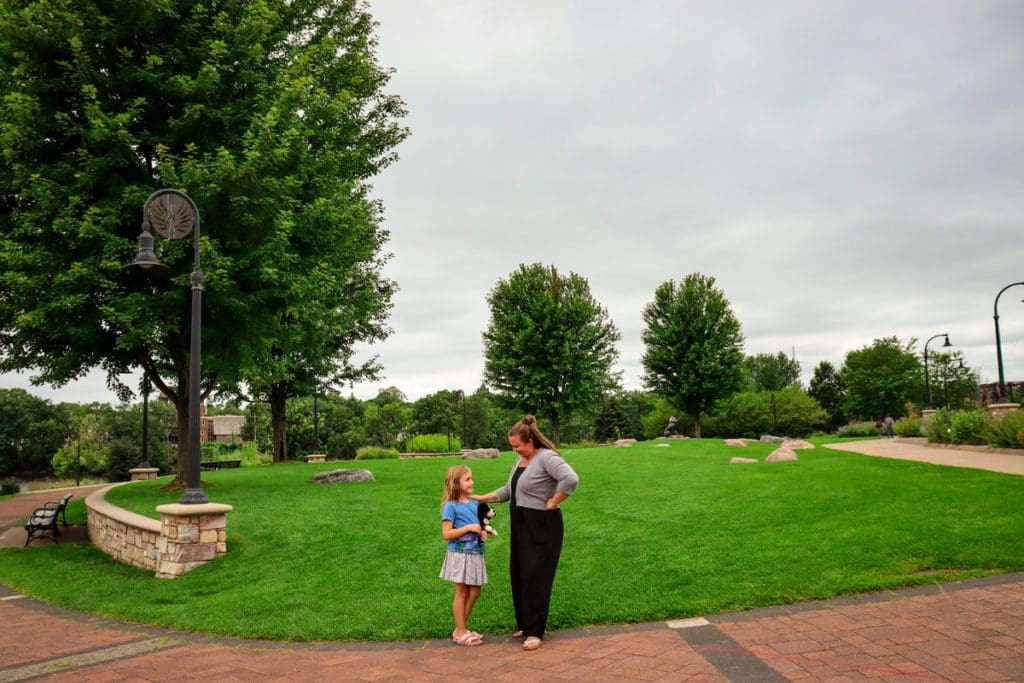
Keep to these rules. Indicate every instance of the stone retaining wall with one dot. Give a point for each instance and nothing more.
(185, 537)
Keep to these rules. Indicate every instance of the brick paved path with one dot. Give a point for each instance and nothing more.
(966, 631)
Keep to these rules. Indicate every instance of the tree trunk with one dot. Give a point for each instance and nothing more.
(181, 406)
(696, 425)
(556, 429)
(279, 421)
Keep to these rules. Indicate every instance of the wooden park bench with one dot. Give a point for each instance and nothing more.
(46, 519)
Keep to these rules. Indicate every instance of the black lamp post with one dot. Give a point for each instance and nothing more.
(316, 419)
(999, 348)
(174, 215)
(927, 385)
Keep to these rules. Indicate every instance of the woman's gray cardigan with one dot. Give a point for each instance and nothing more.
(546, 473)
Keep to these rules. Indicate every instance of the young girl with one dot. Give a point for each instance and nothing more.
(464, 561)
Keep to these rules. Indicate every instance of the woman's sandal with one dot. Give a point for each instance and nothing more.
(469, 639)
(532, 643)
(517, 634)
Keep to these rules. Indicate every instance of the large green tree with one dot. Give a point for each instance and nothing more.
(882, 378)
(772, 372)
(828, 389)
(271, 114)
(550, 346)
(694, 347)
(31, 431)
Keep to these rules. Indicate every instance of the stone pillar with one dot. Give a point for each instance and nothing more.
(140, 473)
(190, 535)
(316, 457)
(1000, 410)
(926, 419)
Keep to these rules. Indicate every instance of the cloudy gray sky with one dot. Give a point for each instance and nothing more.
(845, 170)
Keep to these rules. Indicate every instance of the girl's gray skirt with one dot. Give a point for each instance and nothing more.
(467, 568)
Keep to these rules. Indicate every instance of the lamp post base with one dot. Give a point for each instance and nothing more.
(999, 410)
(193, 497)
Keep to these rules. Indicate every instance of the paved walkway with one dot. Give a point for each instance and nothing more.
(913, 449)
(964, 631)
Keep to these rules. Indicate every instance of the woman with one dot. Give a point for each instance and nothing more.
(540, 480)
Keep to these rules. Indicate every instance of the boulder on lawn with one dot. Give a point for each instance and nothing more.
(736, 442)
(342, 476)
(781, 455)
(662, 445)
(481, 454)
(738, 461)
(624, 443)
(768, 438)
(797, 444)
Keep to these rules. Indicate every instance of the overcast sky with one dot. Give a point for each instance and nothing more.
(845, 170)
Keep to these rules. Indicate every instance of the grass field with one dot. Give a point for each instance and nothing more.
(652, 533)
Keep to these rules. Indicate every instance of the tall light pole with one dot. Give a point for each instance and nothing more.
(927, 385)
(174, 215)
(999, 348)
(145, 421)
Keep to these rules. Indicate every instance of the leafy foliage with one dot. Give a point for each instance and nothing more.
(376, 453)
(772, 372)
(908, 427)
(31, 431)
(1007, 431)
(828, 389)
(857, 429)
(750, 414)
(432, 443)
(694, 348)
(881, 378)
(549, 346)
(271, 115)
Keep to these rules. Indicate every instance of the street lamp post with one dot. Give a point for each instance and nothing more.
(927, 385)
(174, 215)
(999, 348)
(316, 421)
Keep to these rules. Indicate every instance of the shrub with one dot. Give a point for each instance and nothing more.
(969, 427)
(1006, 431)
(940, 428)
(908, 426)
(432, 443)
(856, 429)
(744, 414)
(375, 453)
(9, 487)
(122, 455)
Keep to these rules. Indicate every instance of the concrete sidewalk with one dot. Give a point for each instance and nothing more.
(1008, 463)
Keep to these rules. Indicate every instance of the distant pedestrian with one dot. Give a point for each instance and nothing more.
(879, 425)
(889, 425)
(464, 561)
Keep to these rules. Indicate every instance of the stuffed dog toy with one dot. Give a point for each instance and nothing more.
(486, 513)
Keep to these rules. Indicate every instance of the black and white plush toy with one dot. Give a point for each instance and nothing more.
(486, 513)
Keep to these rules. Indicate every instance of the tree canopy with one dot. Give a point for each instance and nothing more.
(694, 347)
(549, 346)
(882, 378)
(272, 115)
(828, 389)
(772, 372)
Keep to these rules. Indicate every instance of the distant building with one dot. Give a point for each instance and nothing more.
(222, 428)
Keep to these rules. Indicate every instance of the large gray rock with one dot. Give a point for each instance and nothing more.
(768, 438)
(781, 455)
(736, 442)
(342, 476)
(739, 461)
(625, 442)
(481, 454)
(662, 445)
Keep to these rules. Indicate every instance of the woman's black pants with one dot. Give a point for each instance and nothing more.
(533, 558)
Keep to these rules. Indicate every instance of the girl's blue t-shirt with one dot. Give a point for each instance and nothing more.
(460, 515)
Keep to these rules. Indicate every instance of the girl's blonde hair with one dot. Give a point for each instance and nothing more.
(526, 430)
(452, 491)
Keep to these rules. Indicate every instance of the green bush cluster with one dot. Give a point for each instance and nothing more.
(908, 426)
(9, 487)
(248, 452)
(976, 427)
(1008, 431)
(375, 453)
(432, 443)
(857, 429)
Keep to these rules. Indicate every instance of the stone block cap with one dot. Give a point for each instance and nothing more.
(144, 469)
(193, 510)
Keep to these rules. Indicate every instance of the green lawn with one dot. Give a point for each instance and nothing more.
(652, 533)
